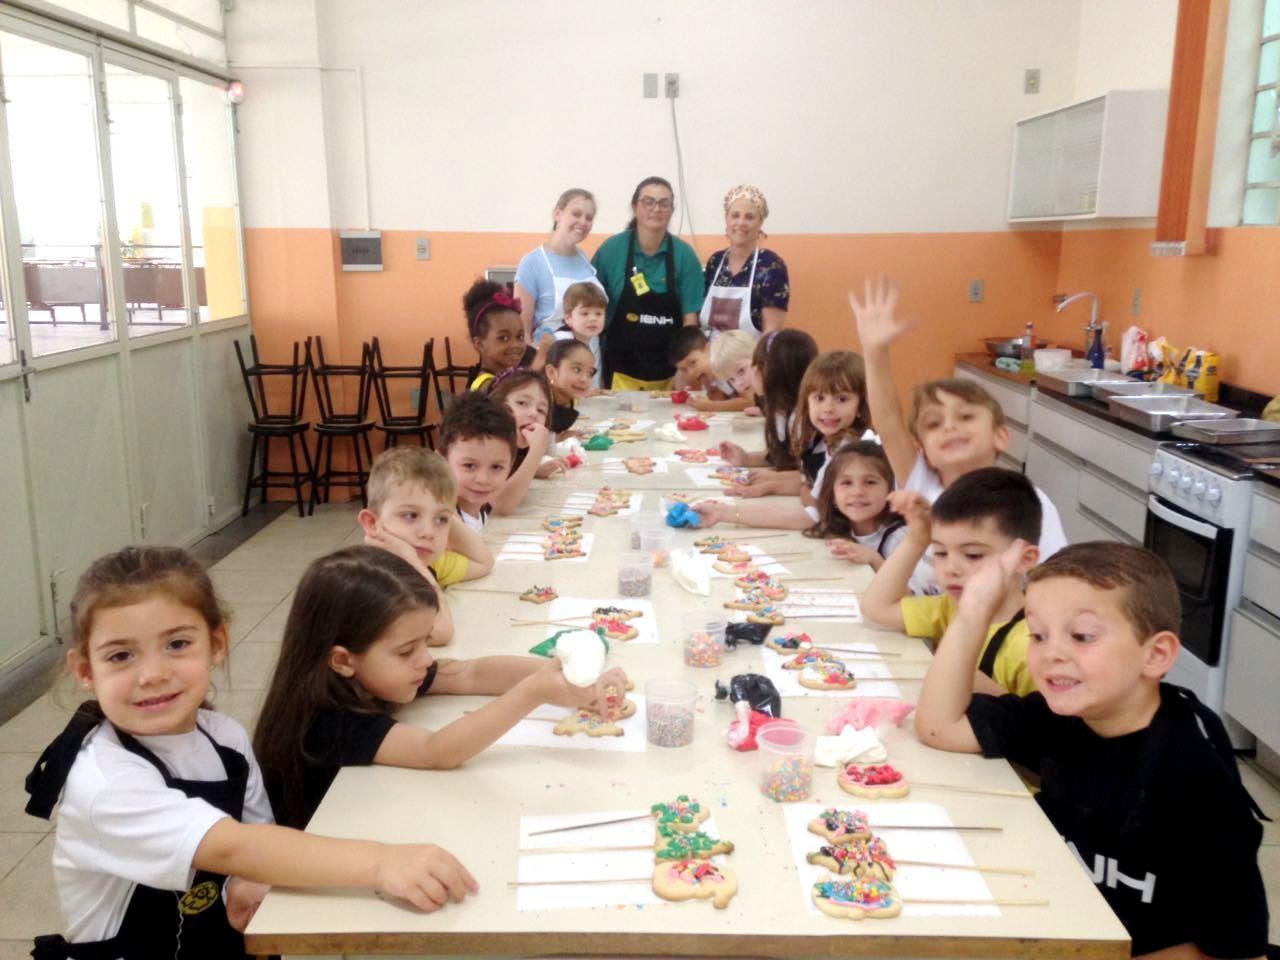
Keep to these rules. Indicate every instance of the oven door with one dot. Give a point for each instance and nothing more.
(1199, 554)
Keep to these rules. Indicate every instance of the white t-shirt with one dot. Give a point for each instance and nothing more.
(119, 825)
(595, 352)
(925, 480)
(891, 540)
(474, 521)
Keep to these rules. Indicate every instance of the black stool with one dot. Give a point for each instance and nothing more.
(348, 418)
(452, 375)
(396, 425)
(266, 425)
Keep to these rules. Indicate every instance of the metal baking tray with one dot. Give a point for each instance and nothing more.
(1137, 388)
(1240, 430)
(1076, 382)
(1158, 414)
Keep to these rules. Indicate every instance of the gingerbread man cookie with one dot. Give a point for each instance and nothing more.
(808, 658)
(711, 544)
(840, 826)
(791, 643)
(737, 568)
(856, 898)
(862, 858)
(683, 813)
(539, 595)
(562, 523)
(678, 845)
(614, 629)
(588, 722)
(832, 675)
(771, 615)
(563, 552)
(694, 880)
(692, 456)
(872, 780)
(638, 465)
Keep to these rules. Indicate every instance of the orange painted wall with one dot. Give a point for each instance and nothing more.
(1227, 301)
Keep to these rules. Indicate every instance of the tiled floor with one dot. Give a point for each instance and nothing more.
(256, 582)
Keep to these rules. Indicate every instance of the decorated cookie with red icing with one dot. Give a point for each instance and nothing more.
(737, 568)
(840, 826)
(694, 880)
(684, 813)
(588, 722)
(861, 858)
(809, 658)
(791, 643)
(692, 456)
(832, 675)
(856, 898)
(539, 595)
(614, 629)
(872, 780)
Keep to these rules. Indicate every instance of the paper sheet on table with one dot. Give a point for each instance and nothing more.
(788, 681)
(539, 733)
(763, 561)
(614, 466)
(713, 459)
(702, 476)
(612, 423)
(722, 418)
(579, 504)
(566, 608)
(836, 606)
(532, 548)
(590, 866)
(926, 883)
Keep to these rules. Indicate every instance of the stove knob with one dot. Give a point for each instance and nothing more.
(1172, 476)
(1214, 495)
(1197, 489)
(1156, 470)
(1184, 483)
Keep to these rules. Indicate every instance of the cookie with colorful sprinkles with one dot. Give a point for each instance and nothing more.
(808, 658)
(832, 675)
(683, 813)
(674, 844)
(694, 880)
(860, 858)
(614, 628)
(791, 643)
(738, 567)
(618, 613)
(588, 722)
(840, 826)
(872, 780)
(856, 898)
(539, 595)
(770, 615)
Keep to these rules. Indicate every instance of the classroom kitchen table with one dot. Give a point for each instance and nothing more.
(476, 812)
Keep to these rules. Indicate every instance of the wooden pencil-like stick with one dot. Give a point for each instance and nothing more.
(594, 823)
(553, 883)
(931, 826)
(1009, 871)
(811, 579)
(642, 846)
(545, 623)
(506, 593)
(985, 791)
(869, 653)
(984, 903)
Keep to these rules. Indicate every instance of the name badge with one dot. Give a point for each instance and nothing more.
(639, 284)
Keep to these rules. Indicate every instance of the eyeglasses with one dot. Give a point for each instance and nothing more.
(653, 203)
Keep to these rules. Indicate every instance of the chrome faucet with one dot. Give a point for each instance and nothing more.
(1093, 314)
(1093, 347)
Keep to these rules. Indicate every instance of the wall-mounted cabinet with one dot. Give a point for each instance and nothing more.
(1094, 159)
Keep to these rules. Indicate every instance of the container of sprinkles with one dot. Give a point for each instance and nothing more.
(703, 638)
(786, 761)
(635, 575)
(669, 708)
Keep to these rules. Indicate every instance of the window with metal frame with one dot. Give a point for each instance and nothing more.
(1262, 176)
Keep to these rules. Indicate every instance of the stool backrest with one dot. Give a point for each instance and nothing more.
(383, 375)
(341, 380)
(265, 383)
(454, 375)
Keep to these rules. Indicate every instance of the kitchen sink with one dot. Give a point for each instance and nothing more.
(1158, 414)
(1076, 382)
(1137, 388)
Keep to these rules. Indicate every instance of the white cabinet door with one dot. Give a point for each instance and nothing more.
(21, 588)
(1058, 475)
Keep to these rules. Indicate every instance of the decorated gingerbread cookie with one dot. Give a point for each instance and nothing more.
(738, 568)
(791, 643)
(692, 456)
(872, 780)
(614, 629)
(603, 508)
(733, 554)
(862, 858)
(808, 658)
(694, 880)
(749, 600)
(618, 613)
(683, 813)
(539, 595)
(856, 898)
(770, 615)
(638, 465)
(626, 436)
(840, 826)
(679, 845)
(725, 470)
(563, 552)
(711, 544)
(562, 523)
(588, 722)
(832, 675)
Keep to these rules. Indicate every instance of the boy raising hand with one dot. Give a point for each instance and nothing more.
(1137, 775)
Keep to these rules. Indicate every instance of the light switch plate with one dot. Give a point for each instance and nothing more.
(1031, 80)
(422, 248)
(673, 86)
(651, 86)
(977, 289)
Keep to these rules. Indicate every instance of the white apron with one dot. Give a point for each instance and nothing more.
(561, 284)
(729, 308)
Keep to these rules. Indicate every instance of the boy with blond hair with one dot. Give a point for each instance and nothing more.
(412, 513)
(1137, 775)
(693, 355)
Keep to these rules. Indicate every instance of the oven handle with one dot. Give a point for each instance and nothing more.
(1206, 530)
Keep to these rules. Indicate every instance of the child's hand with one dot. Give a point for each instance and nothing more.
(609, 693)
(754, 487)
(853, 551)
(699, 401)
(753, 411)
(992, 580)
(712, 512)
(538, 437)
(243, 899)
(384, 540)
(913, 508)
(423, 874)
(878, 326)
(732, 454)
(551, 467)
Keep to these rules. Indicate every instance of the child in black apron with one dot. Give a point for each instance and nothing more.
(853, 513)
(570, 369)
(161, 798)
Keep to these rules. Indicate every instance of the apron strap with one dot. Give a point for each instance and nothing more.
(988, 662)
(45, 781)
(892, 528)
(1211, 727)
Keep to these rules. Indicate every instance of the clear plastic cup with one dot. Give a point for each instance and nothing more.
(634, 401)
(656, 540)
(786, 761)
(669, 712)
(703, 632)
(635, 575)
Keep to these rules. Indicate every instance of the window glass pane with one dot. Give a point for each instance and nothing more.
(54, 154)
(209, 153)
(1262, 205)
(1269, 63)
(1264, 111)
(180, 38)
(7, 352)
(113, 12)
(1264, 161)
(1271, 18)
(145, 174)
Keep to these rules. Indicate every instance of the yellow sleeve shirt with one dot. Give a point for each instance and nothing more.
(929, 617)
(450, 567)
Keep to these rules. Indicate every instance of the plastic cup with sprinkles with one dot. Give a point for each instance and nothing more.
(669, 712)
(786, 761)
(635, 575)
(703, 638)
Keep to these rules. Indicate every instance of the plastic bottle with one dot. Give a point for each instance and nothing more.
(1027, 352)
(1097, 353)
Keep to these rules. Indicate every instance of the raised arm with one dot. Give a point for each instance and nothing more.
(882, 603)
(878, 327)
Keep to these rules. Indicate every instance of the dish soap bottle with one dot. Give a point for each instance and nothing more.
(1026, 352)
(1096, 353)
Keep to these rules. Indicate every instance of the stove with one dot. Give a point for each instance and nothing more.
(1200, 498)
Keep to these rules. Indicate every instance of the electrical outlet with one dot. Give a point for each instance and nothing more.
(422, 248)
(977, 289)
(650, 86)
(673, 86)
(1031, 80)
(1135, 307)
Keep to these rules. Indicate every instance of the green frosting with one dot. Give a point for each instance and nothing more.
(599, 442)
(547, 647)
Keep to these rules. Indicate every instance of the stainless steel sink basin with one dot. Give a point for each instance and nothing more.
(1076, 381)
(1137, 388)
(1158, 414)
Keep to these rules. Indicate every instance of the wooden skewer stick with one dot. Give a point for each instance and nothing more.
(812, 579)
(750, 536)
(1009, 871)
(985, 903)
(985, 791)
(552, 883)
(642, 846)
(931, 826)
(869, 653)
(507, 593)
(545, 623)
(833, 612)
(594, 823)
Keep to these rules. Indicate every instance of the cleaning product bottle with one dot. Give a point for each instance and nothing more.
(1027, 352)
(1096, 353)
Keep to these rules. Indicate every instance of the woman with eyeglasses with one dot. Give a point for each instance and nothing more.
(747, 285)
(655, 286)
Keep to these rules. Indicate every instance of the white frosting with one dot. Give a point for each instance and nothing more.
(690, 573)
(810, 674)
(581, 656)
(850, 744)
(669, 433)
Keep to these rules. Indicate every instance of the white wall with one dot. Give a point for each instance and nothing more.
(1124, 45)
(852, 115)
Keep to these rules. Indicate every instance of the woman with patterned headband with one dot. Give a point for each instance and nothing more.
(747, 285)
(654, 282)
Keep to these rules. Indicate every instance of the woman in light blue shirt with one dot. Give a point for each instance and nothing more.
(547, 271)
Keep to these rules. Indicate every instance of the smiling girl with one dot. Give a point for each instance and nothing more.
(527, 395)
(496, 331)
(546, 272)
(569, 371)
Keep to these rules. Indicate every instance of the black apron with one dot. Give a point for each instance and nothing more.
(987, 664)
(643, 324)
(189, 925)
(563, 417)
(811, 462)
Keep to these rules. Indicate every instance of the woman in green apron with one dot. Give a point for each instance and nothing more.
(655, 286)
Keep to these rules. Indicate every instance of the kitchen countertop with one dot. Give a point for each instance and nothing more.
(985, 363)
